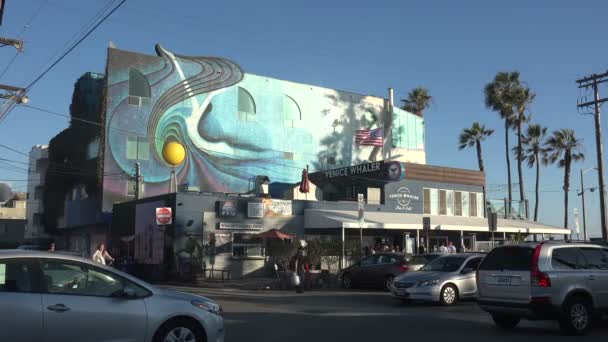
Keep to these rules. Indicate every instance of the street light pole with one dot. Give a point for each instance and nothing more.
(583, 199)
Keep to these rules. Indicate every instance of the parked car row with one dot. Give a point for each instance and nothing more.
(550, 280)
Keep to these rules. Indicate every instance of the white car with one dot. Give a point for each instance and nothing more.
(53, 297)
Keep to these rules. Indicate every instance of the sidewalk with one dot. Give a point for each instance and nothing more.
(246, 284)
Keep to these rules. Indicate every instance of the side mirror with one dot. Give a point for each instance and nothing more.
(467, 270)
(127, 293)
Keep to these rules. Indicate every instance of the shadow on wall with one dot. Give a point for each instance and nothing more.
(339, 144)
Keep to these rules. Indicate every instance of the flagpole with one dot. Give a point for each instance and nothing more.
(383, 142)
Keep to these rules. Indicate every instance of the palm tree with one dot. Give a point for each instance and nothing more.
(533, 141)
(499, 97)
(564, 147)
(418, 100)
(473, 136)
(522, 98)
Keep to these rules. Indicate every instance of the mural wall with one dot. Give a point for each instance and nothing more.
(234, 125)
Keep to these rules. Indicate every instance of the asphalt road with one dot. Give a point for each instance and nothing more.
(364, 316)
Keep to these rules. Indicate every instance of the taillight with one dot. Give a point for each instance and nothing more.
(538, 278)
(403, 268)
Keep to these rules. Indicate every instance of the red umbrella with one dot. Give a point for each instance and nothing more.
(274, 234)
(304, 185)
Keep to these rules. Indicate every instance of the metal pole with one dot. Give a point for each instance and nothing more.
(600, 161)
(361, 236)
(342, 258)
(417, 241)
(583, 200)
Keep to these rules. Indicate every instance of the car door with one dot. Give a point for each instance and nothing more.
(20, 302)
(362, 273)
(468, 284)
(83, 303)
(596, 274)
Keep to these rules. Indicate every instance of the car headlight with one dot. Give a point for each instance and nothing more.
(208, 306)
(428, 283)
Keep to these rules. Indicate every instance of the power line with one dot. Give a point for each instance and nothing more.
(29, 86)
(25, 27)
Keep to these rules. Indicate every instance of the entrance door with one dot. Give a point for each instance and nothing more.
(83, 303)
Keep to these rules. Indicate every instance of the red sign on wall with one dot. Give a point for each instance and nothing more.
(164, 216)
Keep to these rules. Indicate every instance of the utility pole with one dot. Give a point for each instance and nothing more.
(583, 199)
(13, 96)
(16, 43)
(586, 82)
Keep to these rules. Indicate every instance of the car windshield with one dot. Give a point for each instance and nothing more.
(445, 264)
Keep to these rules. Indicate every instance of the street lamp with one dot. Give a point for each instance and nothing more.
(582, 194)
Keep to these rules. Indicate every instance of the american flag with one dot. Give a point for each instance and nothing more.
(370, 137)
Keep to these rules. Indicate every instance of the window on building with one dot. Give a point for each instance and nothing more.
(246, 245)
(38, 192)
(139, 88)
(373, 195)
(450, 202)
(291, 156)
(457, 203)
(331, 161)
(434, 202)
(138, 148)
(246, 105)
(473, 204)
(426, 199)
(443, 205)
(37, 219)
(465, 204)
(293, 115)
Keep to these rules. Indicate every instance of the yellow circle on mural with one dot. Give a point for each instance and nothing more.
(174, 153)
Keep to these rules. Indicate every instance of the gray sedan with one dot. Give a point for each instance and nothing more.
(48, 297)
(445, 280)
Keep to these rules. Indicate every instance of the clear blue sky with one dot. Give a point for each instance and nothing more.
(451, 47)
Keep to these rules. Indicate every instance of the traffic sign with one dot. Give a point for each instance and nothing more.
(164, 216)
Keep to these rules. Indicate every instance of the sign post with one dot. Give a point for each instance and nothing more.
(426, 225)
(164, 216)
(361, 212)
(492, 223)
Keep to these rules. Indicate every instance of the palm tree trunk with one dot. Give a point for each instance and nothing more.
(566, 189)
(520, 172)
(537, 187)
(508, 208)
(479, 156)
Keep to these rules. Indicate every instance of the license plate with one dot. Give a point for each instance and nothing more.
(503, 280)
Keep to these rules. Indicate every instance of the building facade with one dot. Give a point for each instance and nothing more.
(235, 125)
(38, 161)
(397, 196)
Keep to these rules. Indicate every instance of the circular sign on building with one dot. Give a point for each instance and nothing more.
(164, 216)
(174, 153)
(404, 198)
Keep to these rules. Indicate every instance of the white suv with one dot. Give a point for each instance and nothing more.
(563, 281)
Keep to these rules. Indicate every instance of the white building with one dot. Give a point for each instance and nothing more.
(39, 160)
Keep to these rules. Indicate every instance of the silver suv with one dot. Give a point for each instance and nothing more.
(563, 281)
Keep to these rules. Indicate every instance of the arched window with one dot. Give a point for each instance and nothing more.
(246, 106)
(139, 88)
(292, 112)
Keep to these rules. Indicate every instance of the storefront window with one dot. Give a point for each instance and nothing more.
(457, 203)
(473, 204)
(426, 197)
(443, 207)
(246, 245)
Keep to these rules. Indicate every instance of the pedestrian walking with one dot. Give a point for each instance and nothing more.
(101, 255)
(443, 249)
(451, 248)
(52, 247)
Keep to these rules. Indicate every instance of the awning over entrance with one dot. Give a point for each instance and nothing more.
(318, 218)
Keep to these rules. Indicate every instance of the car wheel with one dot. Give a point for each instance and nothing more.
(179, 330)
(506, 322)
(448, 295)
(347, 281)
(388, 283)
(576, 316)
